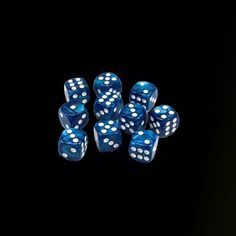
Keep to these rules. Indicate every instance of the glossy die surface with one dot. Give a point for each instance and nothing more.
(132, 117)
(107, 135)
(144, 93)
(107, 106)
(77, 90)
(107, 82)
(163, 120)
(72, 144)
(143, 145)
(73, 115)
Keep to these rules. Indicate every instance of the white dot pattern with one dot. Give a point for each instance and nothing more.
(105, 140)
(133, 155)
(64, 154)
(75, 140)
(146, 141)
(111, 143)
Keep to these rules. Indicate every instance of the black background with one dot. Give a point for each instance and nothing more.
(188, 51)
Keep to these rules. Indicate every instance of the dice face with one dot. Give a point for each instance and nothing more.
(107, 106)
(144, 93)
(143, 146)
(77, 90)
(73, 115)
(107, 135)
(72, 144)
(107, 82)
(132, 117)
(163, 120)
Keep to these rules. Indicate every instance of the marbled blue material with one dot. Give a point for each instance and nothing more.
(143, 146)
(133, 116)
(107, 82)
(107, 106)
(144, 93)
(107, 135)
(77, 90)
(73, 115)
(164, 120)
(72, 144)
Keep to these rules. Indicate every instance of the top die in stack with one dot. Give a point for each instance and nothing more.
(107, 82)
(107, 87)
(77, 90)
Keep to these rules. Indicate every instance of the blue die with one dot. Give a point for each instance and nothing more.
(143, 145)
(72, 144)
(144, 93)
(77, 89)
(107, 82)
(163, 120)
(107, 135)
(107, 106)
(132, 117)
(73, 115)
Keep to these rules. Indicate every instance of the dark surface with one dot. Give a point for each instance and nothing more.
(187, 51)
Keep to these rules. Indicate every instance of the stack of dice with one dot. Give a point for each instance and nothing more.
(140, 112)
(74, 116)
(114, 118)
(132, 118)
(107, 107)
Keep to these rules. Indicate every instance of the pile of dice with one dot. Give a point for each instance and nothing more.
(114, 118)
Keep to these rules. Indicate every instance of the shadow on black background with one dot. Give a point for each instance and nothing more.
(187, 51)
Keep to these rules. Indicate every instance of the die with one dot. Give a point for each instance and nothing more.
(144, 93)
(133, 116)
(163, 120)
(143, 145)
(107, 135)
(77, 89)
(73, 115)
(72, 144)
(107, 106)
(107, 82)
